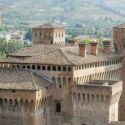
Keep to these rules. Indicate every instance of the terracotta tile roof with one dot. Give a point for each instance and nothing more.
(120, 26)
(36, 50)
(72, 54)
(55, 55)
(22, 80)
(50, 26)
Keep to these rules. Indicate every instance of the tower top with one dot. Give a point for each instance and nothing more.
(49, 34)
(49, 26)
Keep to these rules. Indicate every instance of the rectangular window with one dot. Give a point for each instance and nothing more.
(38, 67)
(43, 68)
(58, 106)
(48, 68)
(54, 68)
(28, 67)
(79, 97)
(59, 68)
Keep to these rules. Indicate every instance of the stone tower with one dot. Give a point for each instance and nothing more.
(119, 42)
(119, 36)
(49, 34)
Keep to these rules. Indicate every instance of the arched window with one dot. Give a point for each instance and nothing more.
(11, 101)
(28, 67)
(93, 97)
(38, 67)
(69, 80)
(97, 97)
(48, 68)
(58, 106)
(79, 97)
(59, 68)
(60, 86)
(1, 102)
(23, 67)
(64, 68)
(54, 68)
(43, 68)
(33, 67)
(18, 66)
(21, 100)
(69, 69)
(5, 100)
(16, 102)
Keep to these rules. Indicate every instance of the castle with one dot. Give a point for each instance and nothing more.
(51, 83)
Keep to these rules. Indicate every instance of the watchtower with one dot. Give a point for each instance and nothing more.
(49, 34)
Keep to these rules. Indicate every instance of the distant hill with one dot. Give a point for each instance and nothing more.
(39, 11)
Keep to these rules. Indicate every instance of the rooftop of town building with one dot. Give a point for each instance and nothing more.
(57, 55)
(120, 26)
(49, 26)
(22, 80)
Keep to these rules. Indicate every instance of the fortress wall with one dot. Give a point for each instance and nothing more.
(98, 73)
(91, 113)
(24, 113)
(18, 94)
(91, 107)
(96, 105)
(94, 70)
(18, 118)
(117, 123)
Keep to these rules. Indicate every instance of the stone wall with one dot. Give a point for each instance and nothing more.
(91, 114)
(119, 37)
(48, 36)
(110, 72)
(59, 36)
(96, 103)
(117, 123)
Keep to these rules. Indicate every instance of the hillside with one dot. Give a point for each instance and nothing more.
(95, 17)
(38, 11)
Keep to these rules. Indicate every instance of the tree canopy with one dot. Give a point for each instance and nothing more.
(9, 47)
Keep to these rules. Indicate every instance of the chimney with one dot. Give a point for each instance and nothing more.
(72, 42)
(82, 50)
(107, 46)
(94, 48)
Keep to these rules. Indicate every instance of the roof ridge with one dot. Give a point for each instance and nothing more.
(33, 80)
(65, 56)
(43, 76)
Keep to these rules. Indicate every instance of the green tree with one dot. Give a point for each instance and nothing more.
(9, 47)
(13, 46)
(86, 40)
(29, 34)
